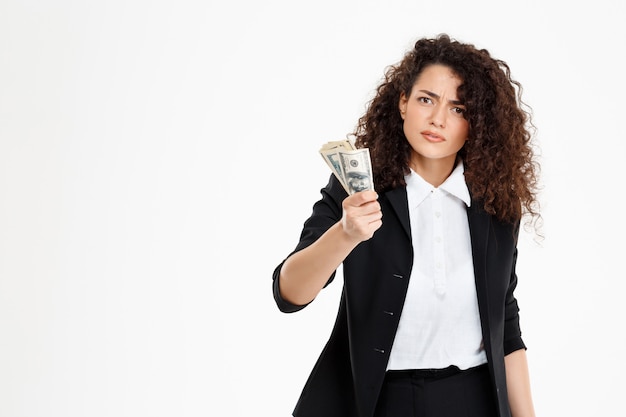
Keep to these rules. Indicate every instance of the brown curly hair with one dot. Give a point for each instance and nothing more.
(499, 161)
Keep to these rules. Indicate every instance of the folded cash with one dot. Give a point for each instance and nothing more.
(351, 166)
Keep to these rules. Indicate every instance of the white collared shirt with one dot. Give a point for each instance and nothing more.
(440, 324)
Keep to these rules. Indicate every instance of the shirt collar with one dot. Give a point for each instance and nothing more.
(455, 185)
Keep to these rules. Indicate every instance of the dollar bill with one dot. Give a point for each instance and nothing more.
(330, 153)
(351, 166)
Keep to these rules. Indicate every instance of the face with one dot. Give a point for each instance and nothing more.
(433, 117)
(358, 182)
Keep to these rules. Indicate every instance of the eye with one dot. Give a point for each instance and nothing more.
(424, 99)
(458, 110)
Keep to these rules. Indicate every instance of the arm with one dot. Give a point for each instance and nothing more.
(305, 272)
(518, 384)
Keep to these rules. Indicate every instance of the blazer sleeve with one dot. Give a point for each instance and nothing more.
(512, 331)
(326, 212)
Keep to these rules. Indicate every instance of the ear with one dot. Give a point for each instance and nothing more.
(402, 103)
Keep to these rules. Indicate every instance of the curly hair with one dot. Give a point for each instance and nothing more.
(500, 167)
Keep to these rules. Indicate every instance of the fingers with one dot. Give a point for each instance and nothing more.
(362, 215)
(360, 198)
(361, 203)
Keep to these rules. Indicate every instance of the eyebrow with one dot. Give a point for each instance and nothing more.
(430, 93)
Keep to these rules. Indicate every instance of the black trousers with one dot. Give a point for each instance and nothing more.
(446, 392)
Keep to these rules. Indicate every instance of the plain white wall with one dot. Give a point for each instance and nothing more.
(158, 158)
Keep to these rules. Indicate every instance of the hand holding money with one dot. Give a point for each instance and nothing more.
(351, 166)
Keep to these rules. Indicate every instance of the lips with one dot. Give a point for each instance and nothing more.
(432, 137)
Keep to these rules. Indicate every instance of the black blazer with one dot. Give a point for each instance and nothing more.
(349, 373)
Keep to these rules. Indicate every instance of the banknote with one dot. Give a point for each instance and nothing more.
(330, 153)
(351, 166)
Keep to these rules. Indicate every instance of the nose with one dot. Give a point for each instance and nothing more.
(438, 116)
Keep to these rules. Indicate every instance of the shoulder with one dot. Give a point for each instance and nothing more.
(332, 195)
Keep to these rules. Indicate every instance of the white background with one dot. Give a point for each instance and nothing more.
(158, 158)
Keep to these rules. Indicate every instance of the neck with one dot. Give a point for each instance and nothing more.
(433, 171)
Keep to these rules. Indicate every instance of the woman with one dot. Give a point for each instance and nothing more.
(428, 323)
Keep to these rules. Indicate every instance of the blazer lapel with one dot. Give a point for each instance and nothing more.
(400, 204)
(479, 231)
(479, 225)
